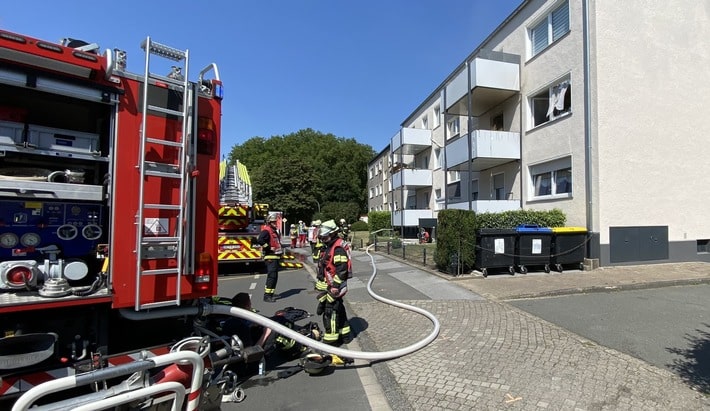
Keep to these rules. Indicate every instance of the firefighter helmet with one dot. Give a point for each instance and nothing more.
(271, 218)
(314, 363)
(328, 228)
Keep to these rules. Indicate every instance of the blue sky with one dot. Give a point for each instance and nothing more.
(355, 69)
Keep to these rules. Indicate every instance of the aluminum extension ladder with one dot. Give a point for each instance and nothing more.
(163, 172)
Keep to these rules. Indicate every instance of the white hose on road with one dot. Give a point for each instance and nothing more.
(305, 340)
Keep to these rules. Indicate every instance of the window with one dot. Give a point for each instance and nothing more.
(552, 179)
(372, 172)
(453, 190)
(437, 194)
(372, 192)
(703, 246)
(437, 158)
(425, 122)
(474, 190)
(549, 30)
(453, 175)
(437, 116)
(454, 127)
(551, 103)
(499, 186)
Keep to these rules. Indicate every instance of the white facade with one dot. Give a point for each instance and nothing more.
(617, 141)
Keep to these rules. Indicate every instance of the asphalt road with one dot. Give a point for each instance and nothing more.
(340, 388)
(668, 327)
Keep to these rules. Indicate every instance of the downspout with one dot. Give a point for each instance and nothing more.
(446, 142)
(469, 124)
(589, 191)
(402, 206)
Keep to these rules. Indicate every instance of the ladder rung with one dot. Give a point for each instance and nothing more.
(164, 142)
(162, 206)
(153, 240)
(167, 80)
(159, 304)
(165, 51)
(166, 111)
(162, 174)
(160, 271)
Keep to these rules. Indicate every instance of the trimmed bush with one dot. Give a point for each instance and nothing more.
(455, 241)
(378, 220)
(359, 226)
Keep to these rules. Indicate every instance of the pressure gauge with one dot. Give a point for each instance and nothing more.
(30, 239)
(8, 240)
(91, 232)
(67, 232)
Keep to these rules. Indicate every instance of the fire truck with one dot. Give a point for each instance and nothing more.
(108, 216)
(241, 220)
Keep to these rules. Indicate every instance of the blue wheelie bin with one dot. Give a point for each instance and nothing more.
(568, 247)
(495, 248)
(533, 247)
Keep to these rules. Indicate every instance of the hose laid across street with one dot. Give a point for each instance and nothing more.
(208, 309)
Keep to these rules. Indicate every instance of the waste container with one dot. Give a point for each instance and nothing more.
(568, 247)
(495, 248)
(533, 247)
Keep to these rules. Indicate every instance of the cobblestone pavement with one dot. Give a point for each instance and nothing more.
(492, 356)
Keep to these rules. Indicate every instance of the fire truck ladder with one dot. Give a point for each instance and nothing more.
(172, 242)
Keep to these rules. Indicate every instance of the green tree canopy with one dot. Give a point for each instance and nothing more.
(307, 171)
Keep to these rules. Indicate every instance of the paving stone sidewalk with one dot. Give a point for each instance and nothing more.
(492, 356)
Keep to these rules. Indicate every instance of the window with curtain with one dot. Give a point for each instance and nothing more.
(550, 29)
(551, 103)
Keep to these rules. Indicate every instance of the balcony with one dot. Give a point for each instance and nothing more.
(493, 77)
(487, 206)
(488, 149)
(411, 178)
(410, 217)
(410, 141)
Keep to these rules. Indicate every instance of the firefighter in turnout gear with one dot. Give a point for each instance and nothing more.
(334, 268)
(270, 241)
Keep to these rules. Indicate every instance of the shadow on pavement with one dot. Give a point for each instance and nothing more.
(694, 367)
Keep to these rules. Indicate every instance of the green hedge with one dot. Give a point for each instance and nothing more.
(512, 219)
(359, 226)
(378, 220)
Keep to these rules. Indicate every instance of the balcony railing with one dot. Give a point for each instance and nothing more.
(408, 178)
(488, 149)
(410, 217)
(493, 77)
(487, 206)
(410, 141)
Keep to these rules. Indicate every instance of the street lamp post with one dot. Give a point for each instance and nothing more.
(317, 203)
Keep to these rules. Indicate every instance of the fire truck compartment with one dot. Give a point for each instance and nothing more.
(54, 139)
(50, 190)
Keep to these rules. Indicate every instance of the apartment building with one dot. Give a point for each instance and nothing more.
(379, 184)
(596, 108)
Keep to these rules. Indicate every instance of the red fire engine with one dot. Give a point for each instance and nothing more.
(108, 205)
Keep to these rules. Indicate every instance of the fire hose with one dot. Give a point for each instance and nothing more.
(209, 309)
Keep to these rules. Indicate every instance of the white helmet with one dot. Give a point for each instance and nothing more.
(328, 228)
(271, 218)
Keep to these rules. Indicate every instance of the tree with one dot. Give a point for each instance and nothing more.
(305, 171)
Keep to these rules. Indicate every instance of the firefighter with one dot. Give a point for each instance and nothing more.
(344, 229)
(270, 241)
(334, 268)
(315, 242)
(293, 234)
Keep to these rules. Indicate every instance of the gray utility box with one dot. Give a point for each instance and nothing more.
(55, 139)
(11, 133)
